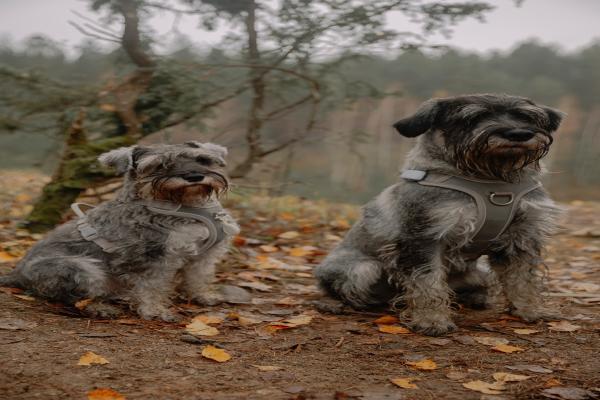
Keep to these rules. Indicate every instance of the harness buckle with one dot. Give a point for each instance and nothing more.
(495, 195)
(87, 231)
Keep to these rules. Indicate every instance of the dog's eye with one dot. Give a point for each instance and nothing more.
(202, 160)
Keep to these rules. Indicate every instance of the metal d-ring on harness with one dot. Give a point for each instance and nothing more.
(212, 216)
(496, 202)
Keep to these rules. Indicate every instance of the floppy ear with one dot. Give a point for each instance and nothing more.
(421, 121)
(120, 159)
(217, 149)
(555, 117)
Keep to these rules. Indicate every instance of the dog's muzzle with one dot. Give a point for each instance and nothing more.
(517, 135)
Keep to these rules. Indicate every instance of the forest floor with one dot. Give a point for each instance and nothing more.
(281, 347)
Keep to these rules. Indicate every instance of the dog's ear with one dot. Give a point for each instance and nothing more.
(120, 159)
(421, 121)
(217, 149)
(555, 117)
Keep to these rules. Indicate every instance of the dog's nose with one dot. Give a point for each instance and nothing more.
(194, 177)
(518, 135)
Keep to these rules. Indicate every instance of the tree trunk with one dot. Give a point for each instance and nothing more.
(77, 171)
(257, 83)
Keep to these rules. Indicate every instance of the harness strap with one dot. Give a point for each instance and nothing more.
(496, 201)
(88, 232)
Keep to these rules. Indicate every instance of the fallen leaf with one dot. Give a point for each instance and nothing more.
(405, 383)
(525, 331)
(485, 387)
(104, 394)
(267, 368)
(268, 248)
(394, 329)
(208, 319)
(289, 301)
(302, 319)
(289, 235)
(199, 328)
(301, 251)
(24, 297)
(530, 368)
(90, 358)
(563, 326)
(82, 304)
(214, 353)
(423, 365)
(456, 375)
(508, 377)
(6, 257)
(506, 348)
(490, 340)
(552, 382)
(386, 320)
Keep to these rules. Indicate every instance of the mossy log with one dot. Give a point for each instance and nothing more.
(78, 170)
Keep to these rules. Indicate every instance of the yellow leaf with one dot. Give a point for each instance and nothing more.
(90, 358)
(506, 348)
(490, 340)
(268, 249)
(484, 387)
(289, 235)
(208, 319)
(6, 257)
(405, 383)
(563, 326)
(394, 329)
(81, 304)
(104, 394)
(301, 251)
(245, 321)
(267, 368)
(199, 328)
(525, 331)
(214, 353)
(508, 377)
(302, 319)
(386, 320)
(424, 365)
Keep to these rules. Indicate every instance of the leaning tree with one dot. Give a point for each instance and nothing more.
(279, 57)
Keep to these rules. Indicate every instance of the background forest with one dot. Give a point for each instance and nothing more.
(303, 97)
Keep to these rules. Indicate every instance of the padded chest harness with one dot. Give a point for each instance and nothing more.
(496, 202)
(218, 222)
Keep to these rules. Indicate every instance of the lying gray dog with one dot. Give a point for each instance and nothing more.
(470, 188)
(165, 227)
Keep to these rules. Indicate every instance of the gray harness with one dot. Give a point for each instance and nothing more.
(212, 216)
(496, 202)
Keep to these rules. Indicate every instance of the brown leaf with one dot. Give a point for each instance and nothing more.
(508, 377)
(214, 353)
(301, 251)
(267, 368)
(405, 383)
(24, 297)
(490, 340)
(525, 331)
(423, 365)
(289, 235)
(199, 328)
(6, 257)
(485, 387)
(208, 319)
(567, 393)
(506, 348)
(90, 358)
(82, 304)
(563, 326)
(268, 248)
(104, 394)
(262, 287)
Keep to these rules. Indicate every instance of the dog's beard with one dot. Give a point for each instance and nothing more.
(479, 158)
(175, 189)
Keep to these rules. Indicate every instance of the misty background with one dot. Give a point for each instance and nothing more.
(54, 52)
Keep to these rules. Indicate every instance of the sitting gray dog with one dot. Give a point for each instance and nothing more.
(165, 227)
(469, 188)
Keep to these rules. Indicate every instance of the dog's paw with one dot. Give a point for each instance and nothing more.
(432, 325)
(150, 312)
(535, 314)
(101, 310)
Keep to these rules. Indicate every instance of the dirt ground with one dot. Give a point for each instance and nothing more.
(320, 356)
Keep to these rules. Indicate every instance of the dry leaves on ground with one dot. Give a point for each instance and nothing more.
(104, 394)
(91, 358)
(405, 383)
(423, 365)
(216, 354)
(199, 328)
